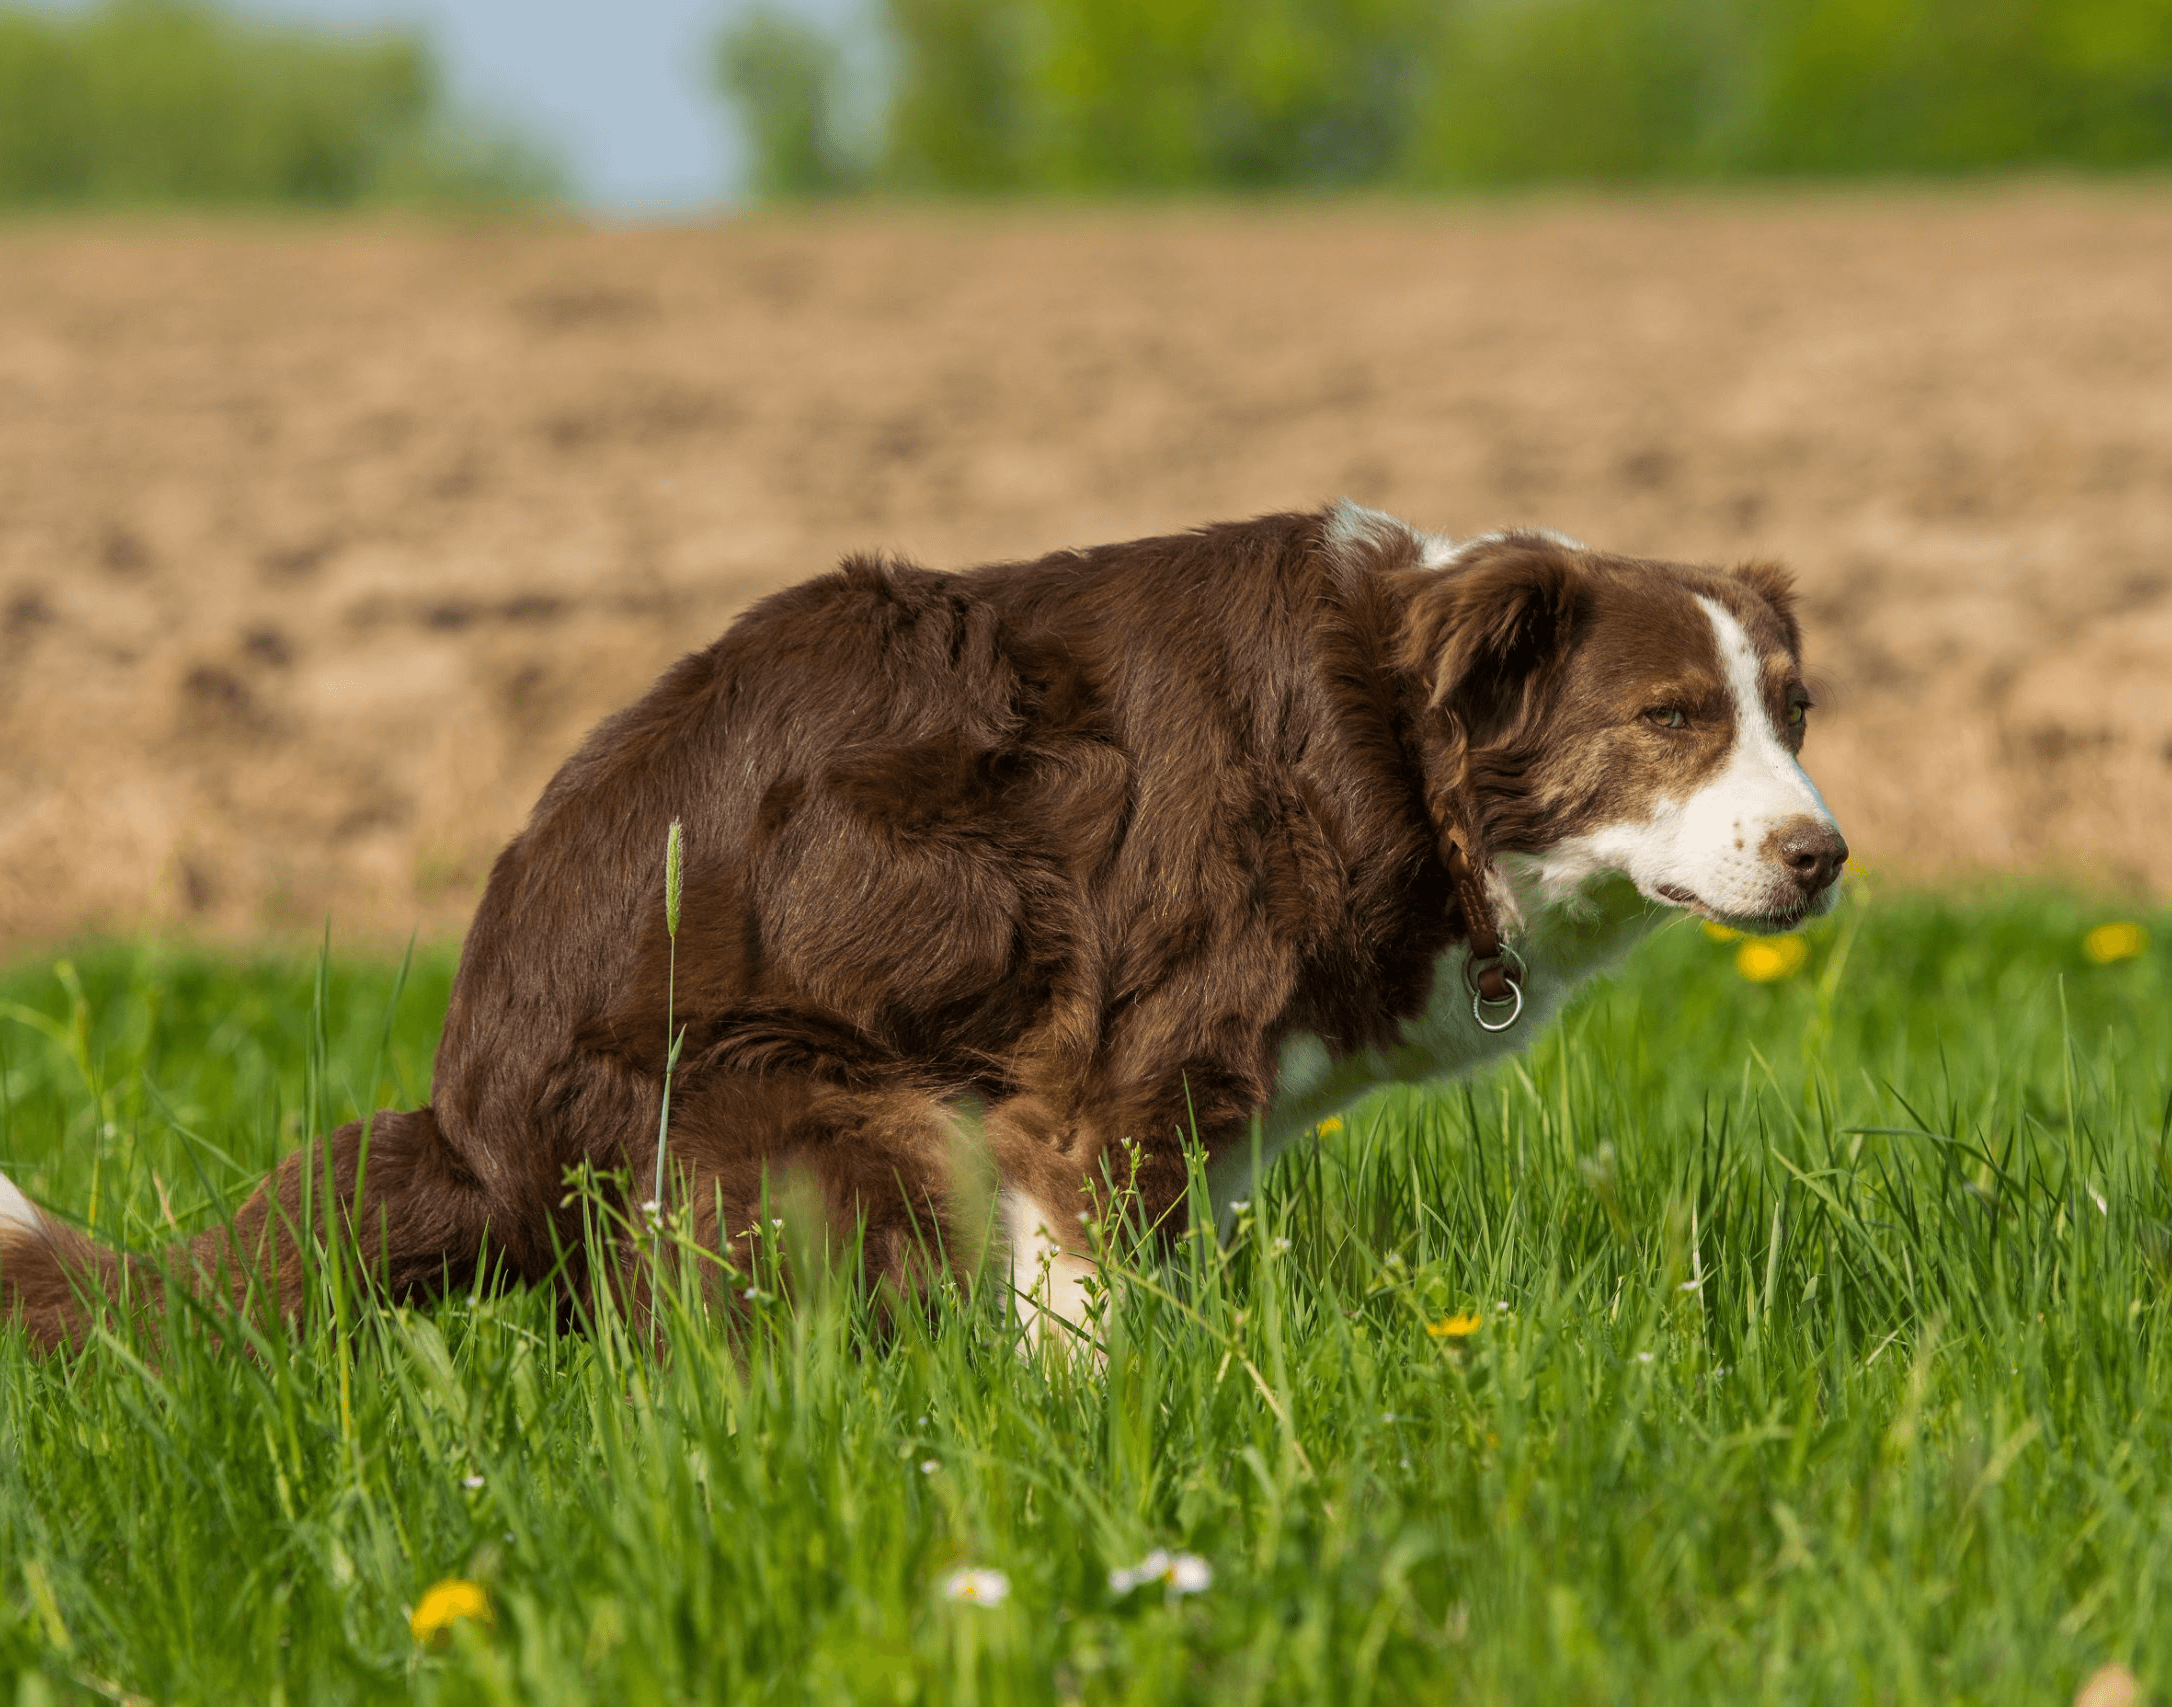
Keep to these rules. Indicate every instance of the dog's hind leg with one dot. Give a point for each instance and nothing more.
(411, 1219)
(779, 1173)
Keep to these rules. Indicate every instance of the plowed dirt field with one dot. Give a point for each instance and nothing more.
(321, 545)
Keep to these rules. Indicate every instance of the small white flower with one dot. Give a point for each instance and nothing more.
(981, 1588)
(1644, 1357)
(929, 1466)
(652, 1212)
(1239, 1205)
(471, 1483)
(1502, 1306)
(1691, 1285)
(1178, 1573)
(1189, 1574)
(776, 1221)
(1282, 1246)
(1123, 1581)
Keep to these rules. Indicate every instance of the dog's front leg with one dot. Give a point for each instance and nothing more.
(1057, 1291)
(1071, 1178)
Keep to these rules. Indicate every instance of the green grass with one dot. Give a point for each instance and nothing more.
(1824, 1356)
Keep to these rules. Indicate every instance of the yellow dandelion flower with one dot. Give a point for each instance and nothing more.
(1454, 1328)
(2117, 941)
(1720, 933)
(446, 1604)
(1761, 960)
(1330, 1126)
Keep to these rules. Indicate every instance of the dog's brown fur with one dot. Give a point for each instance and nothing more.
(1081, 840)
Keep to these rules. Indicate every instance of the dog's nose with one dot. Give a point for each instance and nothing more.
(1812, 851)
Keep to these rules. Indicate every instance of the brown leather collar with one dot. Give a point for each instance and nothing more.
(1487, 971)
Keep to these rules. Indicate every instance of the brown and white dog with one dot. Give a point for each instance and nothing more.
(1188, 835)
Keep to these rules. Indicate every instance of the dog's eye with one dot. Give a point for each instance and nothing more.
(1666, 717)
(1797, 710)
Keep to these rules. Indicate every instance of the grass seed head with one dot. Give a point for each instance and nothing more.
(674, 875)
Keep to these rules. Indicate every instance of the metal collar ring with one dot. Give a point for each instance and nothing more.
(1514, 1000)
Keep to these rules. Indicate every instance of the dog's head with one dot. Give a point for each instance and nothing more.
(1600, 714)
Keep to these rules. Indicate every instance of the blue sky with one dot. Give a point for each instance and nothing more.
(619, 86)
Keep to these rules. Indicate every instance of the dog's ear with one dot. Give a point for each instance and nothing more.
(1776, 586)
(1482, 634)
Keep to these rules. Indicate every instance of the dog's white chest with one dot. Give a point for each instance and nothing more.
(1448, 1039)
(1564, 945)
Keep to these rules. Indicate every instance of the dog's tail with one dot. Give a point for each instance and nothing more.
(48, 1271)
(412, 1227)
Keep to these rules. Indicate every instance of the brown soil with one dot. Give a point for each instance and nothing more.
(319, 547)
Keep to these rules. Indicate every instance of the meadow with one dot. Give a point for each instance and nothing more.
(1797, 1338)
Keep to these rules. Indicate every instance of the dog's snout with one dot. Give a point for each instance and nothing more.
(1812, 850)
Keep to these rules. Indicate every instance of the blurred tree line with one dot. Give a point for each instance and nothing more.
(147, 101)
(1145, 95)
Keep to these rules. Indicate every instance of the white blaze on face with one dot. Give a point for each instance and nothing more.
(1720, 835)
(1712, 845)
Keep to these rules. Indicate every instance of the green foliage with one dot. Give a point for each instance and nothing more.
(1944, 85)
(141, 102)
(1178, 94)
(1589, 90)
(785, 77)
(1137, 94)
(1627, 89)
(956, 120)
(1821, 1349)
